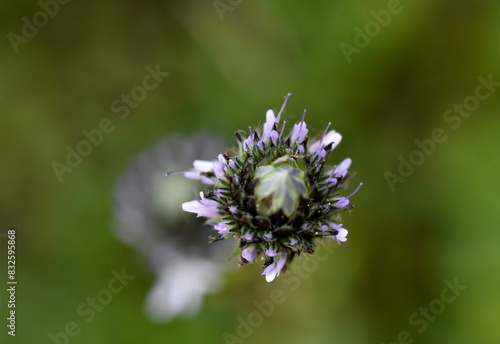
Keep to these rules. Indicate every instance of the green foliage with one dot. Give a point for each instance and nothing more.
(224, 75)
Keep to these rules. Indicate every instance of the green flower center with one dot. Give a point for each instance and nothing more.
(280, 188)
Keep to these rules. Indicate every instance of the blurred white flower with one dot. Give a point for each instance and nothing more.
(149, 218)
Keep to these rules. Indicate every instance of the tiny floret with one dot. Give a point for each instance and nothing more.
(275, 193)
(275, 268)
(249, 253)
(203, 207)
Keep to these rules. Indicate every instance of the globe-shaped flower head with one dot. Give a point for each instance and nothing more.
(274, 193)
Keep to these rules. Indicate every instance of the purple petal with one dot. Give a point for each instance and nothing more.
(249, 141)
(201, 209)
(321, 153)
(342, 202)
(271, 252)
(332, 137)
(248, 236)
(204, 207)
(274, 136)
(301, 150)
(342, 168)
(269, 125)
(218, 166)
(275, 268)
(218, 193)
(200, 166)
(340, 237)
(332, 181)
(336, 226)
(299, 132)
(249, 253)
(222, 227)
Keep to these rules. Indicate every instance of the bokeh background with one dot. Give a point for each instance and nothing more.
(226, 69)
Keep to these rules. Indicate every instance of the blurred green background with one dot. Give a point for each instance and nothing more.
(226, 69)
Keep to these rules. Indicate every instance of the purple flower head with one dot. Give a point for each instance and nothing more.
(276, 190)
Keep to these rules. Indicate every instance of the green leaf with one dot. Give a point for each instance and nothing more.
(279, 187)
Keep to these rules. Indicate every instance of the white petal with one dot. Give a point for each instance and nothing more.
(191, 206)
(205, 207)
(203, 165)
(299, 132)
(270, 277)
(268, 126)
(331, 137)
(270, 117)
(199, 167)
(193, 174)
(180, 288)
